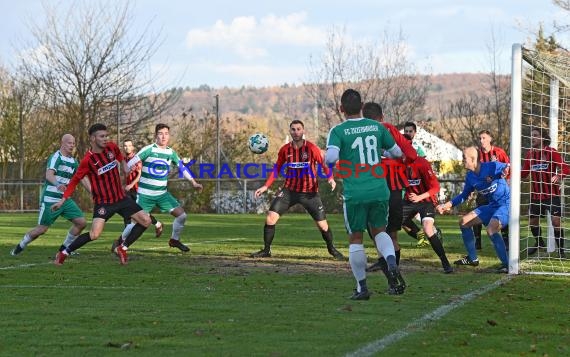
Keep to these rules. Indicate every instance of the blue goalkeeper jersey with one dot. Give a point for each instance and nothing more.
(489, 183)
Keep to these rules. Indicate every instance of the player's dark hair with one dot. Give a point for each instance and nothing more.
(128, 140)
(159, 127)
(372, 110)
(96, 127)
(486, 132)
(544, 135)
(351, 102)
(412, 124)
(297, 121)
(546, 140)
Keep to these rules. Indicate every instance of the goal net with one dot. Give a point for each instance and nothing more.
(540, 109)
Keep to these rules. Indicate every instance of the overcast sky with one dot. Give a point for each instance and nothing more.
(262, 43)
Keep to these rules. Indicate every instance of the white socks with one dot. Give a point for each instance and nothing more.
(357, 260)
(25, 241)
(69, 239)
(177, 226)
(127, 231)
(384, 244)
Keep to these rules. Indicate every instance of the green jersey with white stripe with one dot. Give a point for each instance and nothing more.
(360, 143)
(156, 165)
(64, 168)
(419, 149)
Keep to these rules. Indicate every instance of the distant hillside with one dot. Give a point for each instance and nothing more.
(271, 108)
(450, 87)
(260, 101)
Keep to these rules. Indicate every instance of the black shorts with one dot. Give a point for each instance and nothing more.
(425, 209)
(132, 194)
(125, 207)
(395, 214)
(538, 208)
(311, 201)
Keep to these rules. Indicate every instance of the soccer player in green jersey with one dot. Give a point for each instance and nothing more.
(411, 129)
(60, 167)
(156, 161)
(357, 145)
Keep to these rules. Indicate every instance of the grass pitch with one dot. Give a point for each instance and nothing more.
(215, 301)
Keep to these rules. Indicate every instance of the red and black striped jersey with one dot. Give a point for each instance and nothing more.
(495, 154)
(104, 175)
(299, 167)
(134, 172)
(542, 165)
(422, 179)
(395, 176)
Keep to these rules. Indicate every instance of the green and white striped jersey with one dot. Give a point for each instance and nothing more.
(64, 168)
(156, 165)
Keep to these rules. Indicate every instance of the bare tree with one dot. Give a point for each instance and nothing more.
(497, 101)
(462, 119)
(565, 6)
(380, 72)
(487, 109)
(21, 124)
(87, 59)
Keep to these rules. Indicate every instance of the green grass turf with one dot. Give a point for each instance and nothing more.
(215, 301)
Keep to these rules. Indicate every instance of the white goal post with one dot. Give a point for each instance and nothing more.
(540, 98)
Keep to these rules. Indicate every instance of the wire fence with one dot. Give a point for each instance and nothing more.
(236, 195)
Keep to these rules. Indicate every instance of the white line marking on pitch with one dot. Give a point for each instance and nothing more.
(23, 266)
(218, 240)
(78, 287)
(416, 325)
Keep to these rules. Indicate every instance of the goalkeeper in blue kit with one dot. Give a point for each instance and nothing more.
(488, 179)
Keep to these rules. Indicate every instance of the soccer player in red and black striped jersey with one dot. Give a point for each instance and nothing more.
(133, 177)
(132, 184)
(132, 180)
(547, 169)
(101, 165)
(421, 197)
(396, 180)
(299, 162)
(488, 152)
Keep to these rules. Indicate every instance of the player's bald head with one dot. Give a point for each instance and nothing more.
(470, 152)
(470, 158)
(67, 144)
(67, 138)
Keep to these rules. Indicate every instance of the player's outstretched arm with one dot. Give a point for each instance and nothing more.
(260, 191)
(58, 204)
(332, 155)
(194, 183)
(444, 207)
(86, 184)
(332, 182)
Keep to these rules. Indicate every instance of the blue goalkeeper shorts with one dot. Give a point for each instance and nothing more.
(487, 212)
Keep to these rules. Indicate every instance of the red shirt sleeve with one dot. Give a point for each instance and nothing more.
(402, 142)
(429, 176)
(502, 156)
(564, 167)
(318, 155)
(278, 165)
(81, 172)
(116, 151)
